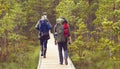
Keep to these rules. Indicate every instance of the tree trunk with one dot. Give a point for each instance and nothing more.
(6, 44)
(91, 16)
(115, 37)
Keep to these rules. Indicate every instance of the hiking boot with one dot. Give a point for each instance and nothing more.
(61, 63)
(45, 53)
(44, 56)
(66, 62)
(41, 54)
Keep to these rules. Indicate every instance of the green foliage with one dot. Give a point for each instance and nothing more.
(95, 25)
(22, 58)
(116, 27)
(64, 9)
(17, 21)
(100, 45)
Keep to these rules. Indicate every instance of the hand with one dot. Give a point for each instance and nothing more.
(56, 42)
(70, 40)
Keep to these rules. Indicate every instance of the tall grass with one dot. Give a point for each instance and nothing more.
(27, 60)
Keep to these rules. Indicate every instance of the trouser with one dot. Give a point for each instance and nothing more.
(62, 46)
(43, 44)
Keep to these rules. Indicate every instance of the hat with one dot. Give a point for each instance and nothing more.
(59, 20)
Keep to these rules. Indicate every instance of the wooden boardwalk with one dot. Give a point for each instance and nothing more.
(52, 59)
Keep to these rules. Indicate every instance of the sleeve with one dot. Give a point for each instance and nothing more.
(69, 29)
(49, 25)
(54, 31)
(37, 25)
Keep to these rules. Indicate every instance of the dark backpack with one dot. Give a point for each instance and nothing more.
(44, 29)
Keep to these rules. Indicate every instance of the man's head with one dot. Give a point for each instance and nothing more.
(44, 16)
(64, 20)
(59, 20)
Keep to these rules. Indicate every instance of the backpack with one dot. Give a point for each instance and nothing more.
(66, 30)
(44, 29)
(61, 31)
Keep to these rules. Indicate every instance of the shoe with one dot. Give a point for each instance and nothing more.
(66, 62)
(41, 54)
(44, 56)
(61, 63)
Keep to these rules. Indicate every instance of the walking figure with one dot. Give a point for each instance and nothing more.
(43, 26)
(62, 36)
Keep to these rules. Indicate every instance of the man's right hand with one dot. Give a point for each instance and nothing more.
(70, 40)
(56, 42)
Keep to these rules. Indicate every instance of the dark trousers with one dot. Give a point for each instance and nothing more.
(62, 47)
(43, 44)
